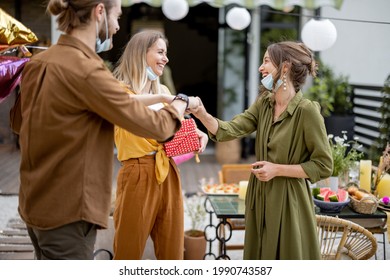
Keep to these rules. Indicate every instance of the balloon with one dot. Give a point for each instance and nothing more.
(10, 73)
(13, 32)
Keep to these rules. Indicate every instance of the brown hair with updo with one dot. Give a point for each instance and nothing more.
(74, 13)
(299, 58)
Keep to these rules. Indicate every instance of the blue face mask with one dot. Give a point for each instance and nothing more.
(105, 46)
(268, 82)
(151, 75)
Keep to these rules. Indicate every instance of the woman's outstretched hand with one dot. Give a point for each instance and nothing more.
(193, 103)
(207, 120)
(199, 110)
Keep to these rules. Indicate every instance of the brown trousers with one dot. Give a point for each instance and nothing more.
(143, 207)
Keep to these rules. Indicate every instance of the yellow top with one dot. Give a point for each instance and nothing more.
(131, 146)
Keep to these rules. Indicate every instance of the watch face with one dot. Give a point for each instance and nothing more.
(183, 97)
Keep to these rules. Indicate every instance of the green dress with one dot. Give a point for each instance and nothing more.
(280, 218)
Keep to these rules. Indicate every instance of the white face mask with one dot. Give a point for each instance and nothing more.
(151, 75)
(105, 46)
(268, 82)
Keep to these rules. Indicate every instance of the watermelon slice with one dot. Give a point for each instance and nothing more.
(326, 192)
(315, 192)
(333, 198)
(342, 195)
(328, 195)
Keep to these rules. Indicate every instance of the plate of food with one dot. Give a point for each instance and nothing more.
(221, 189)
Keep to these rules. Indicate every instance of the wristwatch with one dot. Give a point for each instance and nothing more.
(182, 97)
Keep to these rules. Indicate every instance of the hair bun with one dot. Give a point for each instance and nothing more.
(55, 7)
(311, 65)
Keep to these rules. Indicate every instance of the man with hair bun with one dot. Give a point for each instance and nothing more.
(70, 102)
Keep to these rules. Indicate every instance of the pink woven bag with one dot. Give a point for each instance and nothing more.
(186, 140)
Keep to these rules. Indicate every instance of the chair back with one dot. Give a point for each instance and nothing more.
(343, 239)
(234, 173)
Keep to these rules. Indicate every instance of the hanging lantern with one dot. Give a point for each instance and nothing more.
(319, 35)
(175, 9)
(238, 18)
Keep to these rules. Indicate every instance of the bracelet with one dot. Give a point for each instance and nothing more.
(182, 97)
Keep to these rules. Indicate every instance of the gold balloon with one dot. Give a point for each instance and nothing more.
(13, 32)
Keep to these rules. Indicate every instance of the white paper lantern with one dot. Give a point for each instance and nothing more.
(319, 35)
(175, 9)
(238, 18)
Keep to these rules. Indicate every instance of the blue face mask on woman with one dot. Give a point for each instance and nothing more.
(105, 46)
(268, 82)
(151, 75)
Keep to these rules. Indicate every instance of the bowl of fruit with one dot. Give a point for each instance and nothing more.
(328, 201)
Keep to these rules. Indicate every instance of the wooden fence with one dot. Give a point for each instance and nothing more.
(367, 101)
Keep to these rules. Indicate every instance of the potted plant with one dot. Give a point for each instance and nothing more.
(335, 95)
(345, 154)
(194, 238)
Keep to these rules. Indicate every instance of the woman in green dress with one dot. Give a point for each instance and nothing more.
(291, 149)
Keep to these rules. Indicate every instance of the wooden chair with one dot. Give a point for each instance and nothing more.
(375, 227)
(382, 230)
(343, 239)
(233, 174)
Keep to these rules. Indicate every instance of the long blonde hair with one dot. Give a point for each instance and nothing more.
(131, 66)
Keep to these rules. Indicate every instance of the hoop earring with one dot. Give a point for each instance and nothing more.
(284, 82)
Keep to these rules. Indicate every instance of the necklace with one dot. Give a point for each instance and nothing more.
(279, 109)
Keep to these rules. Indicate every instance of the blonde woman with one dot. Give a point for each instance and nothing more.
(149, 195)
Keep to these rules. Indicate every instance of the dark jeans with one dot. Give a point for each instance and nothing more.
(73, 241)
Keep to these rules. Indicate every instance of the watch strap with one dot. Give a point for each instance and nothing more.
(183, 97)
